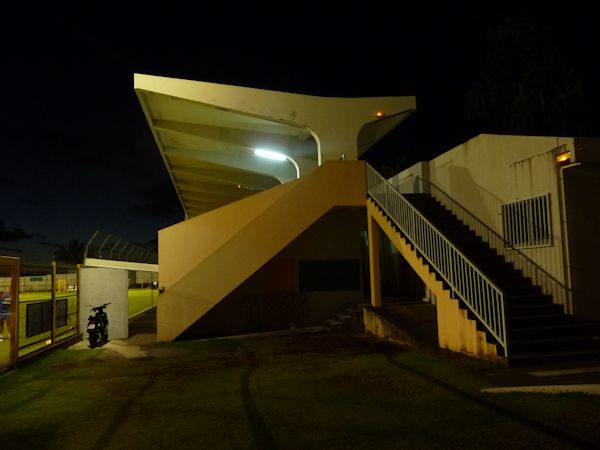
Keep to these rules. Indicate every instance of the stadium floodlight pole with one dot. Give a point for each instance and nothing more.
(277, 156)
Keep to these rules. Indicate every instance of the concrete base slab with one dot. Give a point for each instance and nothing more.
(133, 348)
(124, 349)
(591, 389)
(554, 373)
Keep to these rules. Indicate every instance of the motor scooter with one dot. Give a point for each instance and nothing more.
(97, 327)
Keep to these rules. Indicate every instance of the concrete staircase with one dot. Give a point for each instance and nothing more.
(347, 320)
(538, 331)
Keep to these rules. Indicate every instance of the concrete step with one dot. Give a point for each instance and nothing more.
(517, 300)
(552, 357)
(537, 329)
(334, 325)
(532, 320)
(343, 317)
(554, 344)
(515, 310)
(541, 331)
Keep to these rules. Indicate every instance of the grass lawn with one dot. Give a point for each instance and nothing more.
(139, 300)
(290, 392)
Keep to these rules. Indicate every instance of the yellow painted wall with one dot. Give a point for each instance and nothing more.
(385, 329)
(184, 245)
(262, 301)
(271, 228)
(456, 331)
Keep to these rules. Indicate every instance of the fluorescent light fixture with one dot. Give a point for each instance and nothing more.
(270, 154)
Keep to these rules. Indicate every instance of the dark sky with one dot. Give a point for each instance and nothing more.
(78, 155)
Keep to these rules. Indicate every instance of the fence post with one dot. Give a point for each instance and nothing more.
(13, 325)
(78, 296)
(53, 296)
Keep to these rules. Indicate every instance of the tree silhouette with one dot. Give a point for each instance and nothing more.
(527, 84)
(71, 253)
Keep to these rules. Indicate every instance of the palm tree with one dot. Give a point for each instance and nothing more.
(71, 253)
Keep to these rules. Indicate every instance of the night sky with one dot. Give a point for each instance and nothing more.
(78, 155)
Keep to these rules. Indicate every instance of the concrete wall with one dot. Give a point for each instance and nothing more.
(582, 191)
(103, 285)
(488, 171)
(264, 301)
(407, 181)
(184, 245)
(265, 232)
(378, 325)
(398, 280)
(335, 236)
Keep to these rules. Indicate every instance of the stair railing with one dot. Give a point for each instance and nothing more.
(466, 281)
(549, 285)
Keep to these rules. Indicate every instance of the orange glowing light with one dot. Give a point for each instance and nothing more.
(378, 114)
(563, 157)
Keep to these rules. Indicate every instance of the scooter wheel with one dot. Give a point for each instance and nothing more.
(93, 340)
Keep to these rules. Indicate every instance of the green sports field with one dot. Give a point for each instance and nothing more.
(140, 300)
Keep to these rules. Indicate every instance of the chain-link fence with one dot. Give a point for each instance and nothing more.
(104, 245)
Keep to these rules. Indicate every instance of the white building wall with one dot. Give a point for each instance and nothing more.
(411, 179)
(488, 171)
(103, 285)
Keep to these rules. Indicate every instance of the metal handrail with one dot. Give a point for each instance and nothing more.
(473, 287)
(549, 285)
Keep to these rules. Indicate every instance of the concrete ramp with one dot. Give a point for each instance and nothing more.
(204, 259)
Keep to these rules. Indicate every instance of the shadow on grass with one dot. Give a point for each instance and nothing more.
(121, 415)
(44, 437)
(263, 438)
(387, 350)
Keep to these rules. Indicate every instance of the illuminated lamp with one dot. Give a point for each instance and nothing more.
(379, 114)
(269, 154)
(563, 158)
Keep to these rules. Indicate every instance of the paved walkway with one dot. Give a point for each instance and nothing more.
(582, 377)
(419, 318)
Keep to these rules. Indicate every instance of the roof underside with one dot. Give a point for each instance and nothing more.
(209, 151)
(207, 134)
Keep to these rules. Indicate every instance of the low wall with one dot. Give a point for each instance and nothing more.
(377, 325)
(102, 285)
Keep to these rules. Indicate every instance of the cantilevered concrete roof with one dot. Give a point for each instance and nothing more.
(207, 134)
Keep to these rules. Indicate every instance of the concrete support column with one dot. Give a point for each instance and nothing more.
(374, 266)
